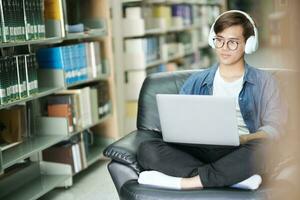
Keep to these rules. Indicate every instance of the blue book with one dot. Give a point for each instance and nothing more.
(50, 58)
(83, 59)
(76, 63)
(177, 10)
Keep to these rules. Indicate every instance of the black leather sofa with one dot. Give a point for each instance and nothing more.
(124, 168)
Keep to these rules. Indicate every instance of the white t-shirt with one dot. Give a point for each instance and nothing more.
(231, 89)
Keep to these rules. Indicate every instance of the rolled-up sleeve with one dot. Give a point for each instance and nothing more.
(275, 112)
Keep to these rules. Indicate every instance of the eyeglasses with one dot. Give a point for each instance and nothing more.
(231, 44)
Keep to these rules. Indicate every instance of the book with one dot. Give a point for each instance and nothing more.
(75, 159)
(82, 152)
(60, 154)
(3, 96)
(31, 74)
(94, 105)
(77, 106)
(22, 76)
(2, 25)
(12, 126)
(103, 98)
(83, 103)
(72, 59)
(54, 21)
(94, 65)
(66, 100)
(62, 110)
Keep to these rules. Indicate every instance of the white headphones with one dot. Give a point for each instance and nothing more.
(251, 43)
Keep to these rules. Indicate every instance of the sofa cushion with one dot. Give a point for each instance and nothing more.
(134, 191)
(124, 150)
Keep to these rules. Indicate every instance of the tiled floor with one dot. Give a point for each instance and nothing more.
(92, 184)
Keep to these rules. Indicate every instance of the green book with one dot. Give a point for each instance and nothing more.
(35, 18)
(22, 71)
(7, 79)
(41, 21)
(22, 19)
(15, 79)
(19, 82)
(27, 4)
(34, 67)
(3, 36)
(6, 21)
(12, 79)
(11, 20)
(1, 23)
(24, 16)
(19, 24)
(27, 73)
(32, 84)
(14, 19)
(2, 83)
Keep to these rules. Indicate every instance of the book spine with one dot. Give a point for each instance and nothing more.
(6, 21)
(2, 83)
(25, 20)
(41, 24)
(3, 32)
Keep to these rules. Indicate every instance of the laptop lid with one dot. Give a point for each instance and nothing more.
(198, 119)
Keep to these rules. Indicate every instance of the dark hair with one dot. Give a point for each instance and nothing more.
(234, 18)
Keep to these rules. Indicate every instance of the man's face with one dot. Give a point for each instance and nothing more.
(234, 45)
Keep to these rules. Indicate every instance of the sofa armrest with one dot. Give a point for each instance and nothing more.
(124, 150)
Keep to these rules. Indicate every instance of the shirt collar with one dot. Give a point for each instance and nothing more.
(248, 77)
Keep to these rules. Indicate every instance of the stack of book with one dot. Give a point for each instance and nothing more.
(70, 152)
(21, 20)
(18, 77)
(82, 107)
(104, 106)
(79, 61)
(149, 47)
(163, 12)
(183, 14)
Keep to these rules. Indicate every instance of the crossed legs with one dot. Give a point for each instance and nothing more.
(206, 166)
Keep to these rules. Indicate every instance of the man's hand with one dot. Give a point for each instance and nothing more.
(253, 136)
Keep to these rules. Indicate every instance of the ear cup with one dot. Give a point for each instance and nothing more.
(250, 46)
(211, 37)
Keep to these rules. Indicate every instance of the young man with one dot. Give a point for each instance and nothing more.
(260, 116)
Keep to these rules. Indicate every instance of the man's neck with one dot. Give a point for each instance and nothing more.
(232, 72)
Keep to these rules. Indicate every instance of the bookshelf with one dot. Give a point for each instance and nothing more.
(158, 35)
(76, 46)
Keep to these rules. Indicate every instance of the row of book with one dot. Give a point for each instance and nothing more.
(173, 16)
(79, 61)
(181, 11)
(82, 107)
(13, 126)
(148, 46)
(18, 77)
(73, 152)
(21, 20)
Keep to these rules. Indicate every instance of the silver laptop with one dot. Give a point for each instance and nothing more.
(198, 119)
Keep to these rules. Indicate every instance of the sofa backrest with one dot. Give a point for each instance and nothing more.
(170, 83)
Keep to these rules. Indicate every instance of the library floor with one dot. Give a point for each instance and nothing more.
(92, 184)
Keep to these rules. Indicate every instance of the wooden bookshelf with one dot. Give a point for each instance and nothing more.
(39, 177)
